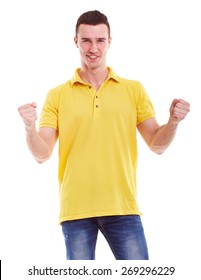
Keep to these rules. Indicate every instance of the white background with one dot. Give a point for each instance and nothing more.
(154, 41)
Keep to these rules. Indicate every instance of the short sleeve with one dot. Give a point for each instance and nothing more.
(145, 109)
(49, 114)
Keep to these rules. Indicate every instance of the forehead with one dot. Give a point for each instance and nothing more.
(93, 31)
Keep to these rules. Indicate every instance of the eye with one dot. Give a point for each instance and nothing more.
(85, 40)
(101, 40)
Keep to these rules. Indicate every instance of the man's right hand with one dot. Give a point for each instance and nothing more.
(28, 115)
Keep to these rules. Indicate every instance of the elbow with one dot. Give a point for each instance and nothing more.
(158, 152)
(157, 149)
(42, 156)
(41, 160)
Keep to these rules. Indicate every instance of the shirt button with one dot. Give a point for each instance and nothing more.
(96, 96)
(96, 106)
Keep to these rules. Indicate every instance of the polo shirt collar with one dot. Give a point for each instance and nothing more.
(76, 77)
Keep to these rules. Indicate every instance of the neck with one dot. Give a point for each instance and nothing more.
(95, 77)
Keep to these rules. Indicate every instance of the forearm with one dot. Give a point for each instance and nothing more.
(163, 137)
(38, 147)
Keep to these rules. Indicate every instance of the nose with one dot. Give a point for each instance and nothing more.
(93, 48)
(92, 51)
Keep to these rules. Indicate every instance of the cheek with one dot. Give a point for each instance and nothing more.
(104, 50)
(82, 52)
(83, 49)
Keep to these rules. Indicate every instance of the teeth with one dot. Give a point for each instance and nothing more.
(93, 56)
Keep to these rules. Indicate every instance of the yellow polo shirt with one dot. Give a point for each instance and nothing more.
(97, 144)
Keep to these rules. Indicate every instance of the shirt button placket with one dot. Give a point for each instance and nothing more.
(96, 101)
(97, 105)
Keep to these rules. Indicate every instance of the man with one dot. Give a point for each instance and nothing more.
(95, 115)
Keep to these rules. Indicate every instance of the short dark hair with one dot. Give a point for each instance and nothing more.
(92, 18)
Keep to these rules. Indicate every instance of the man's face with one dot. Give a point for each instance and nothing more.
(93, 43)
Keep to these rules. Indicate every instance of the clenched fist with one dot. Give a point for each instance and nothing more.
(28, 114)
(179, 109)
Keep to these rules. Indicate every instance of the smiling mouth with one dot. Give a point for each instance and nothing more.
(92, 57)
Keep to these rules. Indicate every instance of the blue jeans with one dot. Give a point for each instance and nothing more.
(124, 234)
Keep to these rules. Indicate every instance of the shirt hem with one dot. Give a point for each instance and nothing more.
(101, 214)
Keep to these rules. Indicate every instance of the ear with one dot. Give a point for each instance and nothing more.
(76, 41)
(109, 41)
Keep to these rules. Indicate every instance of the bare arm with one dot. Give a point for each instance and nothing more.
(158, 138)
(41, 142)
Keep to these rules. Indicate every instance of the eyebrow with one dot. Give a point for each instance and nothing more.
(101, 38)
